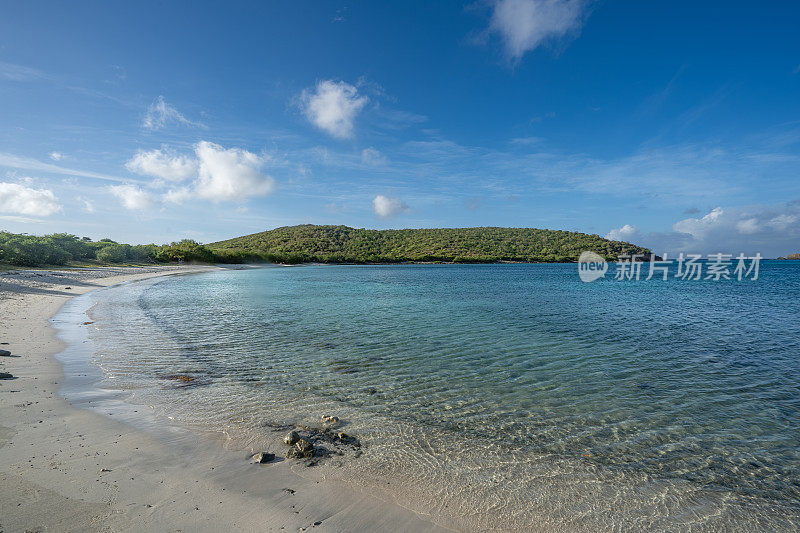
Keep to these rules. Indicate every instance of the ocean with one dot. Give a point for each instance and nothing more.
(510, 396)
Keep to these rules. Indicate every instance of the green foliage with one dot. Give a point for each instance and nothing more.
(324, 244)
(342, 244)
(113, 253)
(62, 248)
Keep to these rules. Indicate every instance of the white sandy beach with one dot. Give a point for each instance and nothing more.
(64, 468)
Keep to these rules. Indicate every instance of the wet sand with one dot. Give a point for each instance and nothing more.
(65, 468)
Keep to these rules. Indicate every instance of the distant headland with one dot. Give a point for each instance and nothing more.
(325, 244)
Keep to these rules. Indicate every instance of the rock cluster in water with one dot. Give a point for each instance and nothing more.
(313, 443)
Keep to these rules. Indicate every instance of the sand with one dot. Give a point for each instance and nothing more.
(65, 468)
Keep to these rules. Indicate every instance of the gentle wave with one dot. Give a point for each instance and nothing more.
(509, 396)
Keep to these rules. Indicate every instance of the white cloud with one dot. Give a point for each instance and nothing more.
(526, 24)
(372, 157)
(333, 106)
(748, 226)
(700, 227)
(88, 206)
(625, 233)
(21, 200)
(386, 207)
(14, 72)
(230, 174)
(162, 164)
(56, 156)
(26, 163)
(160, 114)
(178, 196)
(768, 230)
(782, 222)
(215, 173)
(132, 197)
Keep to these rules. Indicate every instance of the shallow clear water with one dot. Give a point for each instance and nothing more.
(509, 396)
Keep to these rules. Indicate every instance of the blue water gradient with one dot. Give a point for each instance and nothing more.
(516, 388)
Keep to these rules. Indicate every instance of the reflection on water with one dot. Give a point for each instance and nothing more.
(498, 395)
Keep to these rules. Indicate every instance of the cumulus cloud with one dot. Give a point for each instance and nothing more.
(230, 174)
(524, 25)
(768, 230)
(333, 106)
(213, 172)
(22, 200)
(56, 156)
(386, 207)
(160, 114)
(625, 233)
(178, 195)
(132, 197)
(162, 164)
(700, 227)
(372, 157)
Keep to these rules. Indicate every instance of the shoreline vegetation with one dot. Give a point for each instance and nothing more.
(323, 244)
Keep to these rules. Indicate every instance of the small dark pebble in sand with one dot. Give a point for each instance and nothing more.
(6, 375)
(5, 353)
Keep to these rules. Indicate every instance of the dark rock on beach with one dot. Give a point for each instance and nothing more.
(292, 438)
(6, 375)
(264, 457)
(5, 353)
(302, 449)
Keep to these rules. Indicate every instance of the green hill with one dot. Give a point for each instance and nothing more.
(342, 244)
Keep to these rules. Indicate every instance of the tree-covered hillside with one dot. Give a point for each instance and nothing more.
(342, 244)
(65, 249)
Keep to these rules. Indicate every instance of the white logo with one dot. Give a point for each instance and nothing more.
(591, 266)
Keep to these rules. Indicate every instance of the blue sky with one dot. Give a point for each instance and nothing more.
(672, 125)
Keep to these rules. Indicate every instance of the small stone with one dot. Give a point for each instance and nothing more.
(305, 447)
(291, 438)
(330, 419)
(5, 353)
(6, 375)
(301, 450)
(264, 457)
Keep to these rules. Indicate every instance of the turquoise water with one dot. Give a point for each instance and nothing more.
(509, 396)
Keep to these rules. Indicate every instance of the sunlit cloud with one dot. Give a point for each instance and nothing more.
(386, 207)
(132, 197)
(524, 25)
(19, 199)
(333, 106)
